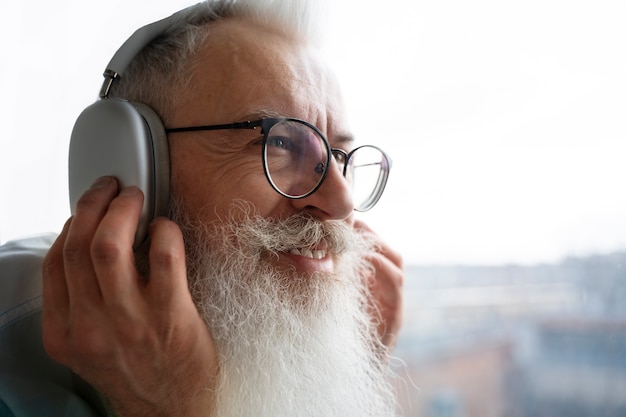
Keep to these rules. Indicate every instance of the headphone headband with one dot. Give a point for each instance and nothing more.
(131, 48)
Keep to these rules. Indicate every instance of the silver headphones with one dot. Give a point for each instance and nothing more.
(124, 139)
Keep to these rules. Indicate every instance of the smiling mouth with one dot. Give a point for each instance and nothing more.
(307, 253)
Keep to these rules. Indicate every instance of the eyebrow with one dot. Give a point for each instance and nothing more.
(343, 140)
(262, 114)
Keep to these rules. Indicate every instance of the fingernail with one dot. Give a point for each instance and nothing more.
(102, 182)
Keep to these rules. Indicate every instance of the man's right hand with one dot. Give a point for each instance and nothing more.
(138, 340)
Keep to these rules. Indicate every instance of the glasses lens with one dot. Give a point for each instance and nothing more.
(296, 158)
(367, 172)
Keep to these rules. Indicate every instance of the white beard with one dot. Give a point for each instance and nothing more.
(289, 344)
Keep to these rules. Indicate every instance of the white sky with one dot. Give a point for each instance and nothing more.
(506, 120)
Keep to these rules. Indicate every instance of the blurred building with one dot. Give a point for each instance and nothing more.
(578, 369)
(515, 341)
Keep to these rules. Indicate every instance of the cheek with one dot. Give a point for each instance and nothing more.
(209, 186)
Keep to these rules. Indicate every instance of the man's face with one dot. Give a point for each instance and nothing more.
(245, 72)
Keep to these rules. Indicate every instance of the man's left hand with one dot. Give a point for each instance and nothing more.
(386, 287)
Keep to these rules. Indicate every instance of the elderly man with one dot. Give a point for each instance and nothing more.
(260, 295)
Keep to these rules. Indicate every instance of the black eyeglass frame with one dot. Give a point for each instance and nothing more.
(267, 123)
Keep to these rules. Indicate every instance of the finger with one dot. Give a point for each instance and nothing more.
(54, 285)
(387, 281)
(168, 274)
(90, 209)
(112, 246)
(55, 303)
(386, 289)
(390, 254)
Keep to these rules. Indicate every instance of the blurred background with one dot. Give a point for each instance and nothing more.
(506, 124)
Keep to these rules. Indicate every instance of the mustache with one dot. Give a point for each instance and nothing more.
(299, 231)
(242, 228)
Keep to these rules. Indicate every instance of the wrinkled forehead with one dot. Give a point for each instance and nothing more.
(244, 68)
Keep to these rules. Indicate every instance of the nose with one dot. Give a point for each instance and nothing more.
(333, 200)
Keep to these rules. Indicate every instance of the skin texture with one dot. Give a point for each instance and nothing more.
(139, 341)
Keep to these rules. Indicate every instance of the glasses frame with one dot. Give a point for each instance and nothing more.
(333, 153)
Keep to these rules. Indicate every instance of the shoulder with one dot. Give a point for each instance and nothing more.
(20, 276)
(15, 252)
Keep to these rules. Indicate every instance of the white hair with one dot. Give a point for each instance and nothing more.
(158, 74)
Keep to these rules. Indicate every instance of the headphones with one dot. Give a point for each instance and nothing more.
(123, 139)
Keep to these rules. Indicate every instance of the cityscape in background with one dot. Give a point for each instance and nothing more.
(514, 341)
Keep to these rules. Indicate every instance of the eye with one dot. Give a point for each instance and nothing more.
(281, 142)
(340, 157)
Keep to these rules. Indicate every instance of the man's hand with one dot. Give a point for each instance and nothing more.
(138, 340)
(386, 287)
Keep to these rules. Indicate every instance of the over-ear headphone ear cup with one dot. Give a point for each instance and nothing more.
(128, 141)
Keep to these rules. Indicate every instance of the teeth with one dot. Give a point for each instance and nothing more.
(307, 253)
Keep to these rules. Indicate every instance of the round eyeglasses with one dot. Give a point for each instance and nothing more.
(297, 156)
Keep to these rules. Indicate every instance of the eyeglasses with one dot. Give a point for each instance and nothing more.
(296, 157)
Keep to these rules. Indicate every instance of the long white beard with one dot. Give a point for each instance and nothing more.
(289, 344)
